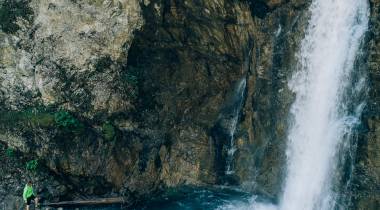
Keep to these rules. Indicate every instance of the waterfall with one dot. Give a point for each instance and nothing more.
(231, 128)
(223, 132)
(320, 112)
(325, 111)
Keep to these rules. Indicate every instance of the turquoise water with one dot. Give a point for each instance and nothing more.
(193, 199)
(185, 199)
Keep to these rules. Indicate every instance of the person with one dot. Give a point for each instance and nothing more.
(29, 195)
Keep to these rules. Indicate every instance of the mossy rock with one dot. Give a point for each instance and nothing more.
(41, 118)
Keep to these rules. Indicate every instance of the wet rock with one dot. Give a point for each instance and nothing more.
(12, 202)
(366, 181)
(123, 97)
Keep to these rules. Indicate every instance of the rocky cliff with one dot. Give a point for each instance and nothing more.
(127, 97)
(366, 185)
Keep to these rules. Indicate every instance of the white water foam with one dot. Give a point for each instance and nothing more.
(240, 89)
(320, 122)
(326, 61)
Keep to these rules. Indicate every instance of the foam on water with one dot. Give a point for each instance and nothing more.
(326, 61)
(320, 121)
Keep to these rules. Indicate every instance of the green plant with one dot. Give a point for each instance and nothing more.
(36, 117)
(32, 165)
(10, 152)
(65, 119)
(109, 131)
(26, 118)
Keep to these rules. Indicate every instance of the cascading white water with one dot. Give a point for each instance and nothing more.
(232, 123)
(321, 121)
(326, 61)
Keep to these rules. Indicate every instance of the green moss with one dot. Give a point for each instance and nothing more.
(65, 119)
(32, 165)
(68, 122)
(29, 118)
(10, 11)
(108, 131)
(42, 118)
(9, 152)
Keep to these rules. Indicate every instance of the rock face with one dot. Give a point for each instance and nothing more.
(130, 96)
(367, 173)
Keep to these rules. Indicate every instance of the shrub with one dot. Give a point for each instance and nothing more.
(32, 165)
(109, 131)
(10, 152)
(66, 120)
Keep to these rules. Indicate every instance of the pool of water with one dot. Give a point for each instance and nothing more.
(188, 199)
(192, 199)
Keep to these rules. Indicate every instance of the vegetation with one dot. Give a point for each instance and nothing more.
(32, 165)
(9, 152)
(41, 117)
(109, 131)
(66, 120)
(29, 117)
